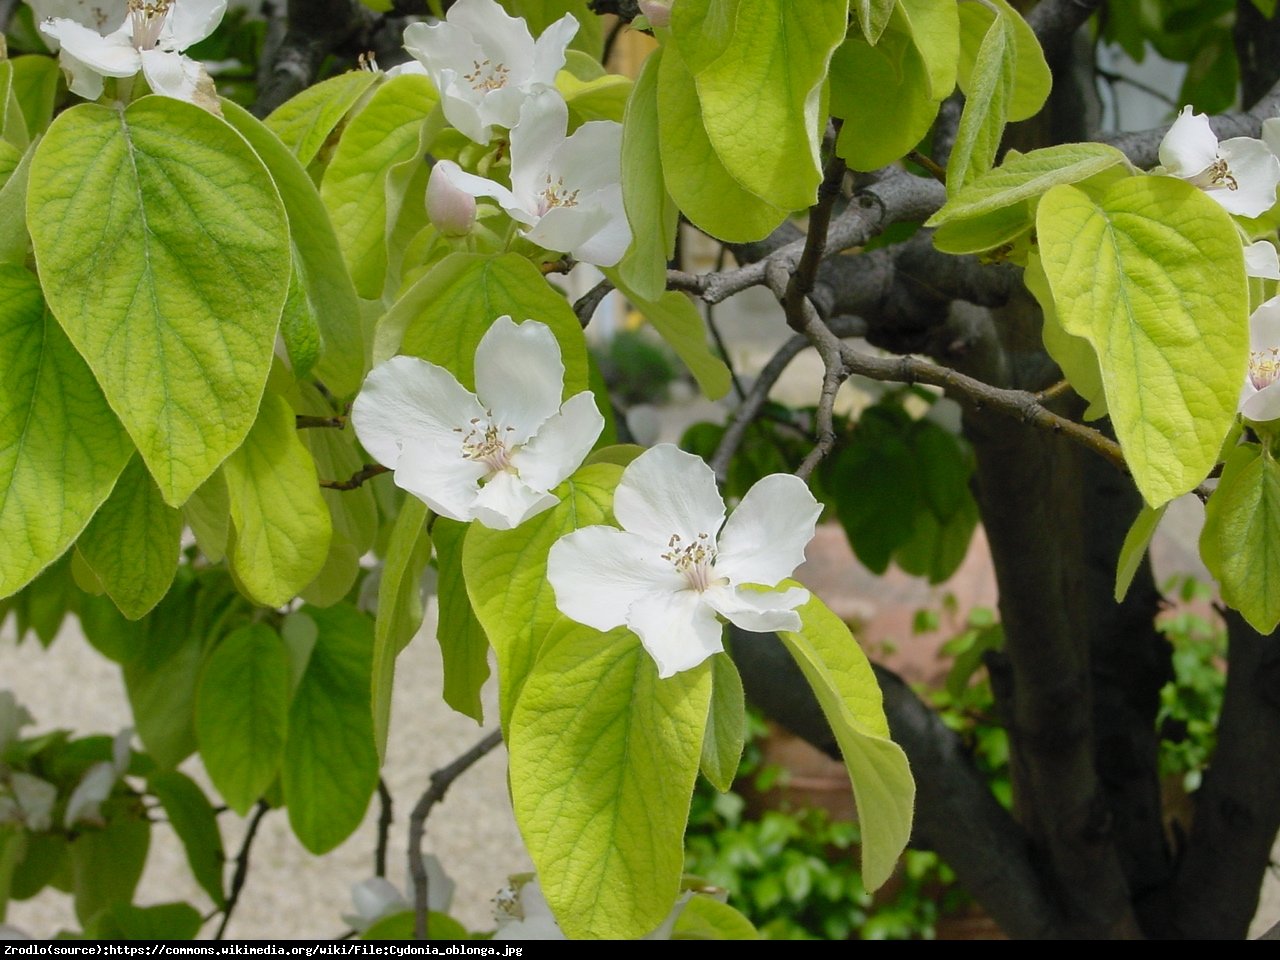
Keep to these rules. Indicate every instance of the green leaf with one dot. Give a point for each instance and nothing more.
(1074, 355)
(299, 633)
(133, 542)
(1032, 78)
(938, 545)
(697, 180)
(193, 819)
(934, 26)
(281, 522)
(1151, 274)
(506, 573)
(1135, 546)
(322, 275)
(841, 678)
(163, 921)
(61, 448)
(384, 133)
(726, 725)
(1027, 176)
(330, 761)
(399, 607)
(13, 849)
(163, 249)
(242, 713)
(35, 86)
(208, 513)
(1240, 543)
(601, 98)
(540, 14)
(405, 190)
(15, 242)
(986, 107)
(873, 17)
(13, 125)
(446, 313)
(400, 926)
(464, 647)
(650, 210)
(760, 98)
(107, 863)
(603, 760)
(702, 30)
(676, 318)
(304, 122)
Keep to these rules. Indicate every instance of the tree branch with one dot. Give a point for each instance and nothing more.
(241, 874)
(367, 472)
(316, 28)
(385, 819)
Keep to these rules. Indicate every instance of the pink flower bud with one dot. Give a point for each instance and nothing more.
(658, 12)
(450, 210)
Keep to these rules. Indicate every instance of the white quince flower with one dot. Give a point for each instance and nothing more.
(150, 39)
(104, 16)
(1240, 173)
(492, 455)
(485, 63)
(1260, 398)
(522, 913)
(566, 191)
(671, 568)
(377, 897)
(1260, 260)
(97, 783)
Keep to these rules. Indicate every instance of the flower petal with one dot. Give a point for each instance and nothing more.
(606, 246)
(759, 611)
(561, 444)
(506, 40)
(1256, 173)
(519, 376)
(506, 501)
(1263, 405)
(549, 50)
(1271, 134)
(678, 629)
(190, 21)
(110, 56)
(544, 120)
(1189, 146)
(440, 477)
(764, 538)
(599, 572)
(1264, 326)
(591, 158)
(82, 79)
(1260, 260)
(568, 229)
(448, 52)
(666, 491)
(409, 400)
(375, 898)
(480, 187)
(172, 74)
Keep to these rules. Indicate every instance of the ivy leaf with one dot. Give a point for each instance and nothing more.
(603, 760)
(163, 249)
(1151, 273)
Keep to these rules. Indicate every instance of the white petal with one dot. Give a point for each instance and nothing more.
(506, 39)
(105, 16)
(666, 491)
(591, 158)
(13, 933)
(1263, 405)
(407, 399)
(519, 376)
(598, 572)
(110, 56)
(1257, 173)
(606, 247)
(375, 898)
(190, 21)
(35, 798)
(440, 477)
(82, 79)
(439, 884)
(544, 120)
(548, 50)
(172, 74)
(449, 52)
(409, 66)
(568, 229)
(561, 444)
(764, 538)
(1260, 260)
(1264, 326)
(1271, 134)
(761, 612)
(1189, 146)
(678, 629)
(94, 787)
(480, 187)
(506, 501)
(451, 210)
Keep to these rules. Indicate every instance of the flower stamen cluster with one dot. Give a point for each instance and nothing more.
(1264, 367)
(491, 449)
(486, 77)
(1217, 174)
(147, 18)
(695, 561)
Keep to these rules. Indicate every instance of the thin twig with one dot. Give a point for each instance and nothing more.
(938, 173)
(715, 332)
(385, 819)
(306, 422)
(1053, 391)
(585, 306)
(242, 867)
(367, 472)
(441, 780)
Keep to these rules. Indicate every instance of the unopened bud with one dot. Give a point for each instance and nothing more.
(451, 211)
(657, 11)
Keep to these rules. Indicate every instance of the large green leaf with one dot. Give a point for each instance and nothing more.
(318, 262)
(1151, 273)
(464, 648)
(384, 133)
(703, 29)
(163, 249)
(540, 14)
(726, 725)
(676, 318)
(650, 210)
(506, 573)
(399, 606)
(35, 87)
(695, 177)
(934, 26)
(760, 98)
(846, 688)
(1032, 78)
(706, 918)
(162, 921)
(303, 123)
(282, 525)
(242, 713)
(330, 761)
(106, 864)
(208, 513)
(1240, 543)
(1074, 355)
(603, 760)
(986, 107)
(446, 313)
(194, 820)
(132, 543)
(15, 242)
(61, 447)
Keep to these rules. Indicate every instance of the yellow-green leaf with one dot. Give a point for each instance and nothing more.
(1240, 543)
(305, 121)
